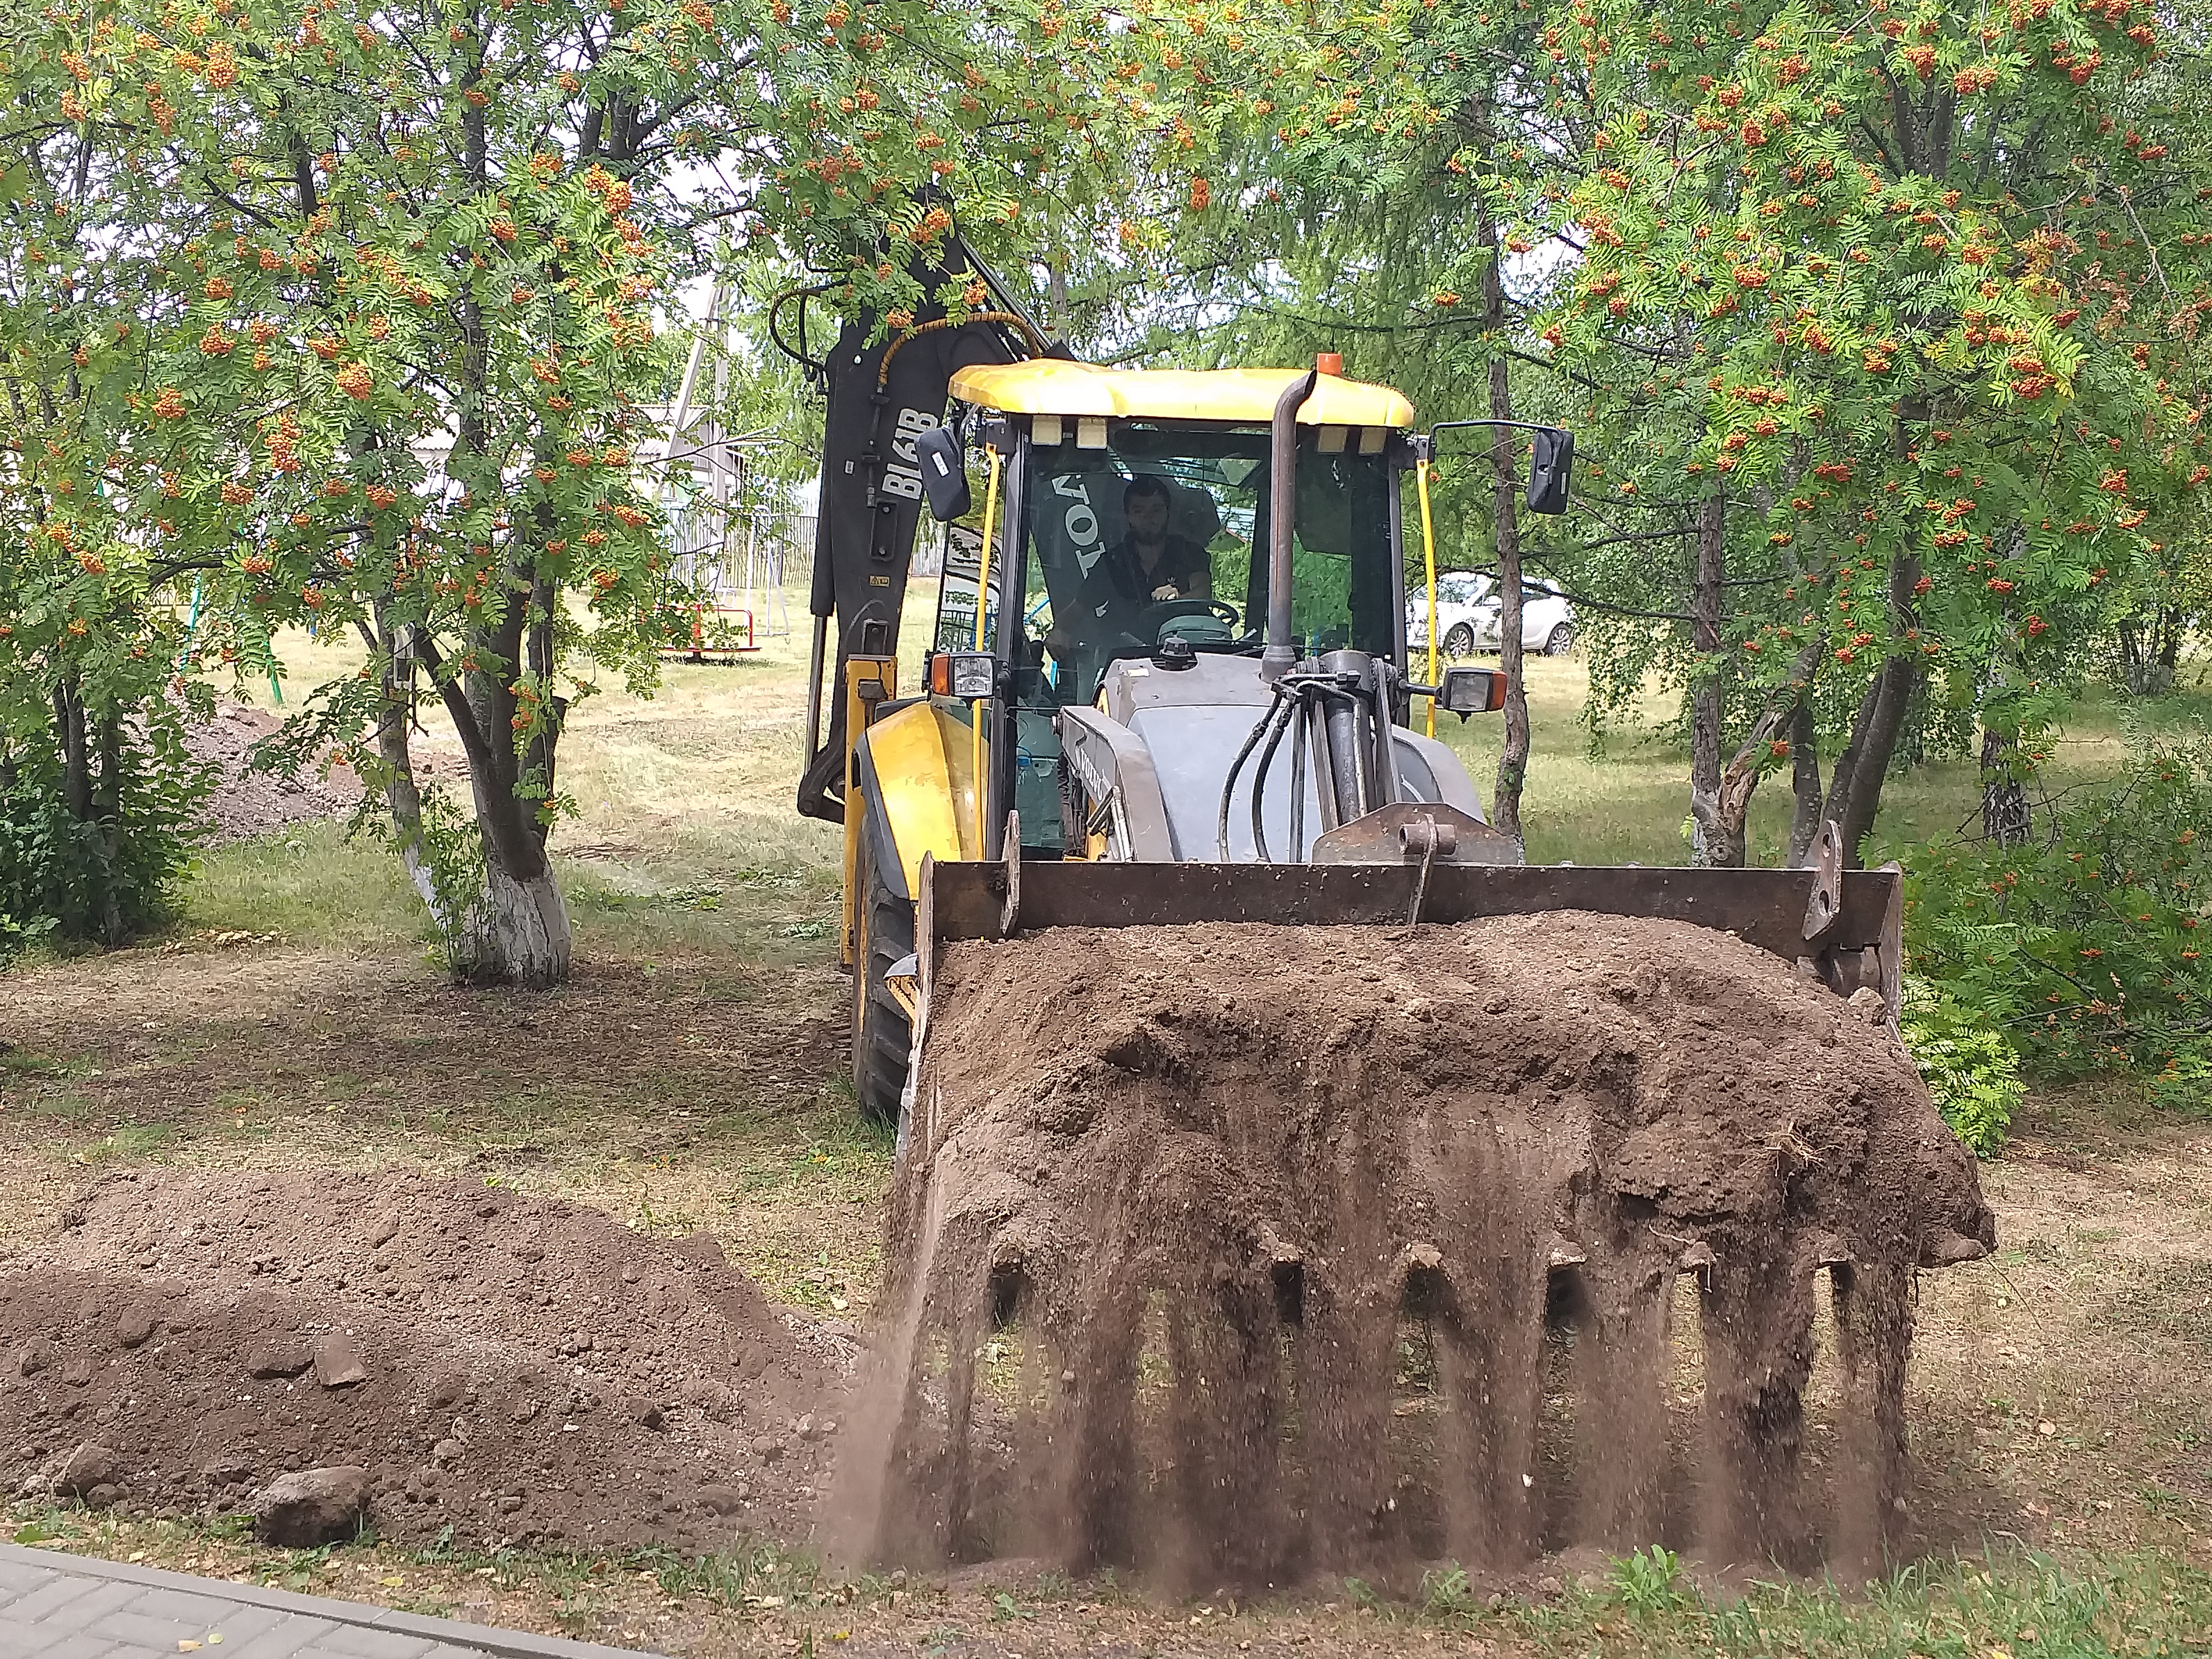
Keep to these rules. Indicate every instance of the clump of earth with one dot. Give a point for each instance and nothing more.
(425, 1352)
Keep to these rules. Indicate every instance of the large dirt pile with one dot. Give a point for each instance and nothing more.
(1240, 1252)
(245, 803)
(511, 1368)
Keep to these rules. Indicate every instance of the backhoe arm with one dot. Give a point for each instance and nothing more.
(881, 397)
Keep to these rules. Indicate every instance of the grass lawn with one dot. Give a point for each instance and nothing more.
(690, 1075)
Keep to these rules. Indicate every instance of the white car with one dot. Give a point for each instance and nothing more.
(1466, 618)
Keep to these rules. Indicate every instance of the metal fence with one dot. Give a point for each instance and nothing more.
(740, 559)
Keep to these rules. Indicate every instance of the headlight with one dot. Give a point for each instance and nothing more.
(970, 676)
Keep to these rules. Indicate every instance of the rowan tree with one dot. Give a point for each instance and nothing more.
(402, 397)
(96, 792)
(884, 129)
(394, 324)
(1914, 295)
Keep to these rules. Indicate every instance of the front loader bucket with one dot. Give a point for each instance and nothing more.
(1242, 1231)
(1845, 925)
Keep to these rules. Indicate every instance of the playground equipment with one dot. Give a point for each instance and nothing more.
(731, 536)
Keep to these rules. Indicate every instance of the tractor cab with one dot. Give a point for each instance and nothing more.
(1151, 523)
(1132, 512)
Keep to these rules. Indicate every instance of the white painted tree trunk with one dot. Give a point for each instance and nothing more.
(515, 931)
(522, 930)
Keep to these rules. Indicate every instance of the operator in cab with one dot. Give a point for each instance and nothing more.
(1151, 564)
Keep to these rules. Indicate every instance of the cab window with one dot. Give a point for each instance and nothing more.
(956, 594)
(1164, 534)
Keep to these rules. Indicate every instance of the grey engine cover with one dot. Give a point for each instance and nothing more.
(1164, 740)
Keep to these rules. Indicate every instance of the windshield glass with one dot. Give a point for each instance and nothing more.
(1164, 533)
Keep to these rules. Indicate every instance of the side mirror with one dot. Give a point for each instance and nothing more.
(1472, 691)
(943, 473)
(1551, 468)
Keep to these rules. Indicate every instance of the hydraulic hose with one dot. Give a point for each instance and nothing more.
(1299, 739)
(1229, 785)
(1287, 707)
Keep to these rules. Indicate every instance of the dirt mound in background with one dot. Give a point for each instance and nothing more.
(245, 803)
(1243, 1251)
(512, 1368)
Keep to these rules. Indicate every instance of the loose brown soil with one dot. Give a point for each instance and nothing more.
(507, 1368)
(1345, 1249)
(247, 802)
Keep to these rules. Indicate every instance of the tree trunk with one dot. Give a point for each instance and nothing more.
(1839, 780)
(396, 708)
(1709, 843)
(516, 931)
(2149, 652)
(2005, 818)
(1804, 782)
(1719, 816)
(1855, 794)
(523, 928)
(1513, 758)
(76, 759)
(1884, 714)
(73, 738)
(523, 937)
(1718, 819)
(1059, 320)
(522, 925)
(104, 833)
(2172, 624)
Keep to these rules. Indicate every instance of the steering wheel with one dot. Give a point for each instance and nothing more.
(1154, 616)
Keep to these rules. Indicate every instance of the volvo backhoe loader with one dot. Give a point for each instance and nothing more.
(1207, 1177)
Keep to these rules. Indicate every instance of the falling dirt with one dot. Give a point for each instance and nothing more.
(507, 1369)
(1242, 1253)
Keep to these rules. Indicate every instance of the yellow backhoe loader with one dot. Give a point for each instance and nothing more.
(1169, 683)
(1169, 679)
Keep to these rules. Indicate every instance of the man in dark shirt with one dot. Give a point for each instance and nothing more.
(1150, 565)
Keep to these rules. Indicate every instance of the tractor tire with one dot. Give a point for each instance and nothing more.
(1559, 641)
(1459, 642)
(881, 1034)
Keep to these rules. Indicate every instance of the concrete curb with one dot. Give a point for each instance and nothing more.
(485, 1638)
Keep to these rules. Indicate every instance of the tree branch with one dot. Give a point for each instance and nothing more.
(473, 743)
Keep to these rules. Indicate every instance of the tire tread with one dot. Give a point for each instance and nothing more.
(882, 1036)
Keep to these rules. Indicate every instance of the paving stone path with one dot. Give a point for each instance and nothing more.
(76, 1606)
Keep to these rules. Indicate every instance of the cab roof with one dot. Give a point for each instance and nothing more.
(1047, 385)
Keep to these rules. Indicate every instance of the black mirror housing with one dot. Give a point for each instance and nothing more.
(943, 473)
(1551, 469)
(1472, 691)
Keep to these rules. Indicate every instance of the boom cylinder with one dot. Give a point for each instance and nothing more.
(1348, 724)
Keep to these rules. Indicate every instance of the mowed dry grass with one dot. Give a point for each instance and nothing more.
(2057, 1388)
(690, 1077)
